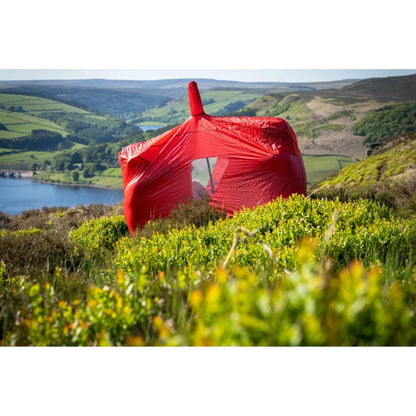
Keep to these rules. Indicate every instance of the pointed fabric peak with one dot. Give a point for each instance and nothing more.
(195, 103)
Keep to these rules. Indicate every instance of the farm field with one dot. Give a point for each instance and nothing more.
(320, 167)
(34, 104)
(22, 160)
(20, 124)
(177, 111)
(110, 178)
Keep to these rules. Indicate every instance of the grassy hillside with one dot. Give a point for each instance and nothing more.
(395, 160)
(215, 102)
(388, 176)
(21, 114)
(26, 142)
(324, 120)
(293, 272)
(19, 124)
(401, 88)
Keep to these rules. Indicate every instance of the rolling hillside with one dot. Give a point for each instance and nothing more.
(21, 114)
(387, 176)
(131, 98)
(324, 120)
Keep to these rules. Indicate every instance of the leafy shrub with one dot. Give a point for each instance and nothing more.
(280, 226)
(98, 236)
(400, 196)
(310, 306)
(194, 212)
(291, 272)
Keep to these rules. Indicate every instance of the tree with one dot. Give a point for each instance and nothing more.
(75, 175)
(2, 127)
(88, 172)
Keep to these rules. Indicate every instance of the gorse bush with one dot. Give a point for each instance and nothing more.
(98, 236)
(291, 272)
(363, 231)
(309, 306)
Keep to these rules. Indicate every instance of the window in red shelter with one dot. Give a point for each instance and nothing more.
(206, 175)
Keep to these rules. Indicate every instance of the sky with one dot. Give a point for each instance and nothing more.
(234, 39)
(265, 40)
(245, 75)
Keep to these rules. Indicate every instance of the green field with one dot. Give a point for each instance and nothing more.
(110, 178)
(22, 124)
(214, 101)
(320, 167)
(22, 160)
(36, 104)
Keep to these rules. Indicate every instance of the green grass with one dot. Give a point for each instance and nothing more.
(22, 124)
(177, 111)
(102, 179)
(320, 167)
(380, 167)
(116, 172)
(36, 104)
(22, 160)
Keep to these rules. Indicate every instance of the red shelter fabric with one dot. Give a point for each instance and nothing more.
(243, 162)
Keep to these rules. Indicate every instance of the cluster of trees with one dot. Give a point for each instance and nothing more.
(385, 122)
(92, 158)
(113, 101)
(38, 140)
(90, 130)
(18, 109)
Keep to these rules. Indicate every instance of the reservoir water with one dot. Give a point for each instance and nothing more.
(17, 195)
(146, 127)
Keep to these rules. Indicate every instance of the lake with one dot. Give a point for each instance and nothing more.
(17, 195)
(146, 127)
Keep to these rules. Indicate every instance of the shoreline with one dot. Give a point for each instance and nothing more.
(76, 184)
(29, 175)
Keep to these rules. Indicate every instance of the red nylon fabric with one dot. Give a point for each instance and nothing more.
(257, 160)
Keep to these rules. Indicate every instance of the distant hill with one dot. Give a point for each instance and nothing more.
(203, 83)
(401, 88)
(324, 120)
(131, 98)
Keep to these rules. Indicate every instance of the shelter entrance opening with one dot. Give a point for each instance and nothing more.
(202, 181)
(206, 175)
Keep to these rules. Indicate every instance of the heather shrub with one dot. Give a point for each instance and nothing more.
(34, 251)
(196, 213)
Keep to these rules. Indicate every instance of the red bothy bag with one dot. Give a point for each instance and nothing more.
(236, 162)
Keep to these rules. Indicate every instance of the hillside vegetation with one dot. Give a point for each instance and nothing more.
(391, 120)
(292, 272)
(327, 121)
(40, 134)
(216, 102)
(388, 175)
